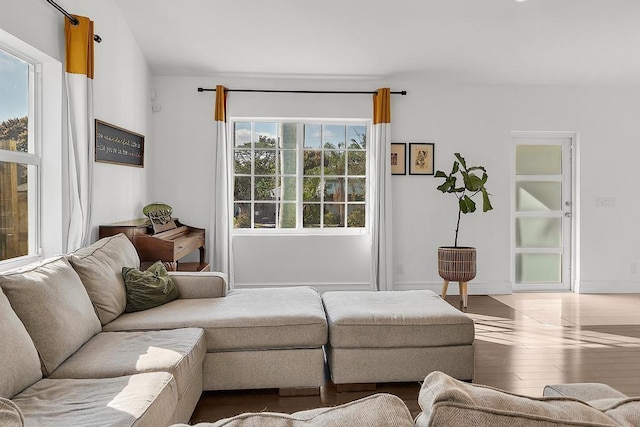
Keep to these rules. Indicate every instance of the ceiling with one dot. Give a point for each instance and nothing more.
(489, 41)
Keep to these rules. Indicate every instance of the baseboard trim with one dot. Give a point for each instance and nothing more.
(475, 288)
(609, 287)
(321, 287)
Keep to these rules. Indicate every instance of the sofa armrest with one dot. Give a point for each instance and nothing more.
(206, 284)
(583, 391)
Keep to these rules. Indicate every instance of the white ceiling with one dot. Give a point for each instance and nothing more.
(494, 41)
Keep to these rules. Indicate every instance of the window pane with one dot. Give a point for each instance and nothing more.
(538, 232)
(265, 162)
(14, 209)
(14, 103)
(538, 159)
(312, 136)
(334, 215)
(242, 162)
(311, 215)
(267, 135)
(312, 162)
(264, 215)
(357, 137)
(334, 190)
(357, 162)
(538, 196)
(242, 134)
(287, 215)
(357, 189)
(334, 162)
(538, 268)
(312, 189)
(334, 136)
(356, 216)
(242, 188)
(242, 215)
(265, 188)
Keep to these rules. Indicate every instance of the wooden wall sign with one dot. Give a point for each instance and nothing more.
(119, 146)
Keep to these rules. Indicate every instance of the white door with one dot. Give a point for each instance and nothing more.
(542, 212)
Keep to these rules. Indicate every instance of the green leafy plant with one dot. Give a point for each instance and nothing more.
(473, 183)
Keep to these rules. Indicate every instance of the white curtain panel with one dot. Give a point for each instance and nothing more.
(81, 131)
(380, 209)
(219, 239)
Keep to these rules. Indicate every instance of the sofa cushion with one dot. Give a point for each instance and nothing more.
(394, 319)
(245, 319)
(149, 288)
(54, 307)
(625, 411)
(112, 354)
(142, 400)
(19, 362)
(447, 401)
(10, 414)
(100, 267)
(378, 410)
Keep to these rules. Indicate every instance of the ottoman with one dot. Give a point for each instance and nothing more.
(396, 336)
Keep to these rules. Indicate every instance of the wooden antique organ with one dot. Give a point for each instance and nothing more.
(168, 246)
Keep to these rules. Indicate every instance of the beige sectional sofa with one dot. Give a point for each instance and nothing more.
(72, 356)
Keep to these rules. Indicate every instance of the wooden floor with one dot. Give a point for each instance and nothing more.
(523, 342)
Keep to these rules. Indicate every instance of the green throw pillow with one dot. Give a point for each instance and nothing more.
(148, 289)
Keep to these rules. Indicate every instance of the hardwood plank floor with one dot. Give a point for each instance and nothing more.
(523, 342)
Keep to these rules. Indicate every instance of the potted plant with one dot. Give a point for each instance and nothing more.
(458, 263)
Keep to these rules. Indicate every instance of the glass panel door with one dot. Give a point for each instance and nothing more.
(542, 213)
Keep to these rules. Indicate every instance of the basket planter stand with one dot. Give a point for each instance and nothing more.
(457, 264)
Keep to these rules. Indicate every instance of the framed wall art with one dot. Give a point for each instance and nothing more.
(398, 158)
(119, 146)
(421, 158)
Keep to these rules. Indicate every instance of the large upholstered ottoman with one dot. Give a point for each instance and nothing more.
(396, 336)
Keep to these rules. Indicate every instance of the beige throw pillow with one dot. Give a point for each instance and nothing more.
(19, 362)
(100, 267)
(54, 307)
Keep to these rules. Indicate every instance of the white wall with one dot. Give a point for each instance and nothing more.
(473, 119)
(121, 92)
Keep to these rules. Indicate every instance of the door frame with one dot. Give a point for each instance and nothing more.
(574, 249)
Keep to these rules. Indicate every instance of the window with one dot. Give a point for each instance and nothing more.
(296, 175)
(19, 162)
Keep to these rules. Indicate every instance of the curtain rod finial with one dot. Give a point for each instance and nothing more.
(200, 89)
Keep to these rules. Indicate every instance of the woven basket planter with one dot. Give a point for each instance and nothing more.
(457, 264)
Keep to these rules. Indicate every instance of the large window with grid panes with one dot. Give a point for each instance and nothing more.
(291, 174)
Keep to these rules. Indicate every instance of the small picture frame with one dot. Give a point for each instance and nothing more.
(421, 158)
(398, 158)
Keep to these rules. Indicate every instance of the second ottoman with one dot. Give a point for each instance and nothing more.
(396, 336)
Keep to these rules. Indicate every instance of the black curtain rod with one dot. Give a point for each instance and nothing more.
(73, 19)
(402, 92)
